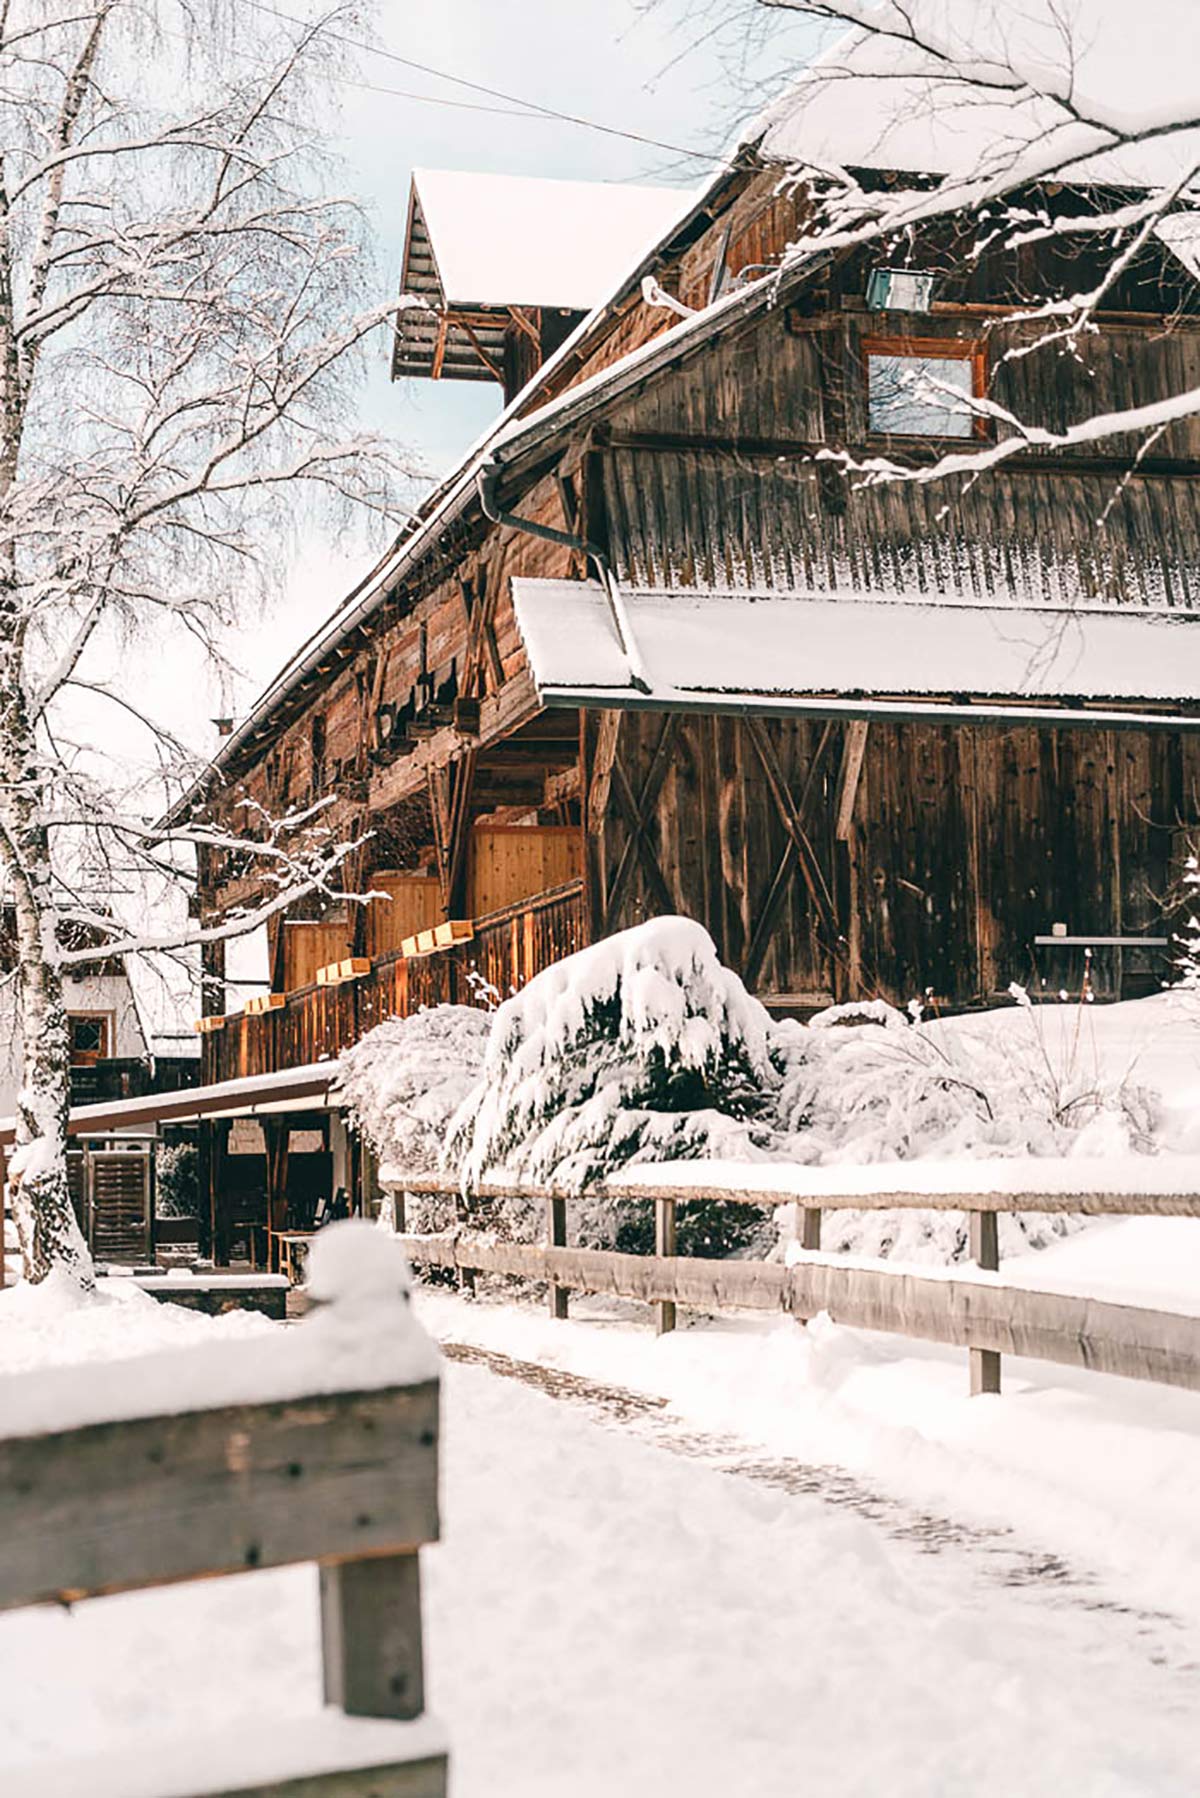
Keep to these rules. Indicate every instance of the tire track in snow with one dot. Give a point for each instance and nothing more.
(995, 1551)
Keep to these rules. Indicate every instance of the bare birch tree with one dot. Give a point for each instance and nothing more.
(180, 305)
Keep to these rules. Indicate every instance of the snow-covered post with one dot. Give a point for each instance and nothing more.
(370, 1607)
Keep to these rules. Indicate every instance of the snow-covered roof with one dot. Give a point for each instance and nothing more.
(878, 103)
(698, 648)
(520, 240)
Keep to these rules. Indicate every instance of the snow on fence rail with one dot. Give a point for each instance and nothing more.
(320, 1445)
(968, 1309)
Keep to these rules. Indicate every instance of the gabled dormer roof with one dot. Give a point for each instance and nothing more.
(481, 247)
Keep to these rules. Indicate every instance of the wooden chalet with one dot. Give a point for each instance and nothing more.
(645, 652)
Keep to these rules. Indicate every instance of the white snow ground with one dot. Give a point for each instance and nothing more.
(609, 1616)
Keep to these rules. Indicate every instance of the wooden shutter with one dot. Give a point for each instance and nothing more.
(120, 1206)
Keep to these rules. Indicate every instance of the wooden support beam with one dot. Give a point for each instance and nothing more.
(371, 1636)
(607, 731)
(439, 349)
(760, 939)
(810, 866)
(638, 813)
(439, 816)
(810, 1229)
(853, 750)
(494, 369)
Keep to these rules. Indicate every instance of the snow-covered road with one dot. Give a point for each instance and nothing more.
(608, 1616)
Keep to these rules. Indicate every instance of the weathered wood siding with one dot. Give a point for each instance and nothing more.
(963, 846)
(708, 478)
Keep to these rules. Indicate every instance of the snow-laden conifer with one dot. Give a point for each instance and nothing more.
(641, 1048)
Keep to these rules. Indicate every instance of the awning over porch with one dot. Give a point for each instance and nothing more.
(258, 1095)
(765, 652)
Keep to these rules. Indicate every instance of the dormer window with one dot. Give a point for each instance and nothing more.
(924, 386)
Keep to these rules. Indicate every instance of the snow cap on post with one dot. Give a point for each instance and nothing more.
(354, 1264)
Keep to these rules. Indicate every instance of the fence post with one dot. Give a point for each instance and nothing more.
(371, 1636)
(985, 1252)
(810, 1228)
(664, 1246)
(556, 1235)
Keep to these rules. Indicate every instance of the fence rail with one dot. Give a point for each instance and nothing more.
(972, 1310)
(347, 1479)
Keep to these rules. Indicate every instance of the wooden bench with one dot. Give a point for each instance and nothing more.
(273, 1472)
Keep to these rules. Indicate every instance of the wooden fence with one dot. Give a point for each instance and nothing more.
(965, 1309)
(345, 1479)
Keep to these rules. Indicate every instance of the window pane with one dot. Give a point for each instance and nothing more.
(88, 1035)
(907, 395)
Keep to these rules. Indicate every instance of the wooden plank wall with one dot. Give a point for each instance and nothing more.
(309, 946)
(514, 862)
(963, 845)
(413, 903)
(706, 481)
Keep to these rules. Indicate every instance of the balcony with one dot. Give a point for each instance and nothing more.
(316, 1023)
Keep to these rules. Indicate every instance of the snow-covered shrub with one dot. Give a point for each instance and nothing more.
(642, 1048)
(867, 1083)
(870, 1083)
(405, 1079)
(177, 1180)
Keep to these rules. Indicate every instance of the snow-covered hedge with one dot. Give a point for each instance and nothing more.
(868, 1083)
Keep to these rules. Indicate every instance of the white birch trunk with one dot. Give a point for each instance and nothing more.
(47, 1229)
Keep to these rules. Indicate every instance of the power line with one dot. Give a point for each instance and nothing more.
(531, 108)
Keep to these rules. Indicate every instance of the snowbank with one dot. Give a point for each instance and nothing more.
(69, 1359)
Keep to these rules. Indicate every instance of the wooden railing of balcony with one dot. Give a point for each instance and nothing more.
(317, 1022)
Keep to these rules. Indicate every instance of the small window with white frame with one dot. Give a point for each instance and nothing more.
(924, 387)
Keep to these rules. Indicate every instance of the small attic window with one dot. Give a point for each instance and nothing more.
(922, 386)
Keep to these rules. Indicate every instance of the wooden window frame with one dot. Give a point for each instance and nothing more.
(930, 349)
(109, 1020)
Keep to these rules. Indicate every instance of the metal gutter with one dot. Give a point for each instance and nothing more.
(932, 711)
(486, 481)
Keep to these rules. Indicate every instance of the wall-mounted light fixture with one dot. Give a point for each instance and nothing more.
(899, 290)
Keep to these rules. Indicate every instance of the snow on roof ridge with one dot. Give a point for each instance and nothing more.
(500, 239)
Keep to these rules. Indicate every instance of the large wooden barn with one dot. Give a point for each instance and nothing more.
(645, 651)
